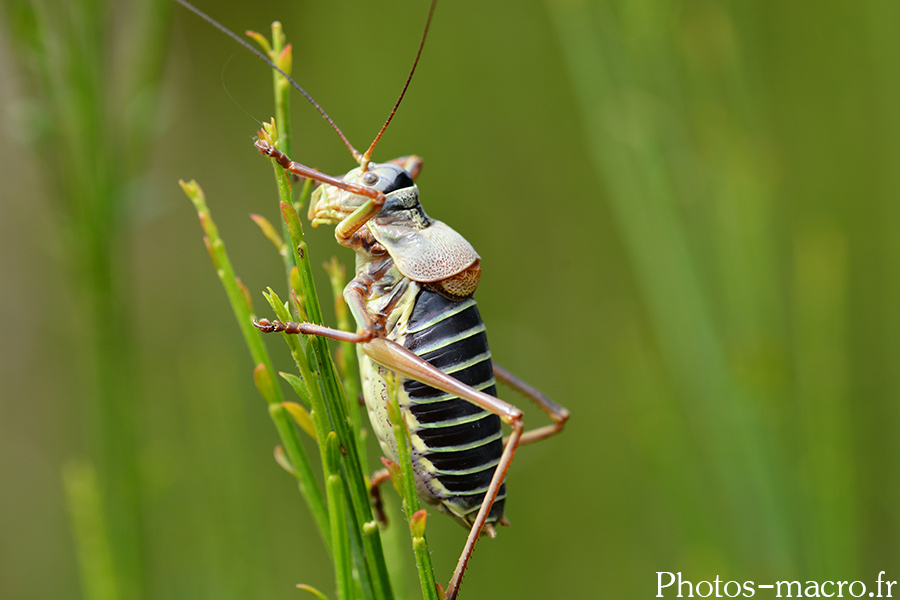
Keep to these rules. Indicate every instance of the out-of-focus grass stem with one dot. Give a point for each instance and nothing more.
(94, 129)
(820, 290)
(616, 56)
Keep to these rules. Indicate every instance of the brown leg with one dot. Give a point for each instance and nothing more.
(268, 326)
(346, 228)
(378, 477)
(557, 413)
(400, 360)
(353, 295)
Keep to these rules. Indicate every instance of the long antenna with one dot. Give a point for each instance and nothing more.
(364, 162)
(265, 59)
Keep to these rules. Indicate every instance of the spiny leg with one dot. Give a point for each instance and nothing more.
(558, 414)
(267, 326)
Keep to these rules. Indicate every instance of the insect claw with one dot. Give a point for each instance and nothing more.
(264, 147)
(266, 326)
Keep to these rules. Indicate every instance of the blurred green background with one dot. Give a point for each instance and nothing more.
(688, 219)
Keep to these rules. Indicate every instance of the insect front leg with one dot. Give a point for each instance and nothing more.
(353, 294)
(348, 227)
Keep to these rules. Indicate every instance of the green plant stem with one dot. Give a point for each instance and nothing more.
(280, 54)
(406, 486)
(282, 87)
(348, 364)
(336, 509)
(329, 402)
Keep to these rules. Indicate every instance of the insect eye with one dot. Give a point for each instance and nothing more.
(370, 178)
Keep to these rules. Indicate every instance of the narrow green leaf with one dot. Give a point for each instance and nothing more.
(337, 512)
(332, 450)
(301, 417)
(264, 383)
(261, 40)
(298, 386)
(269, 231)
(292, 220)
(312, 590)
(284, 462)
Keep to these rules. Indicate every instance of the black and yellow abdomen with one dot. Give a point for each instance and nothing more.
(456, 444)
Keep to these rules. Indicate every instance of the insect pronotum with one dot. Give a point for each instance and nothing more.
(412, 299)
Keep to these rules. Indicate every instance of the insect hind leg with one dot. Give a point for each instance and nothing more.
(558, 414)
(401, 360)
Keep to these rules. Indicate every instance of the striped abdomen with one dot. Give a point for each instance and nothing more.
(456, 444)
